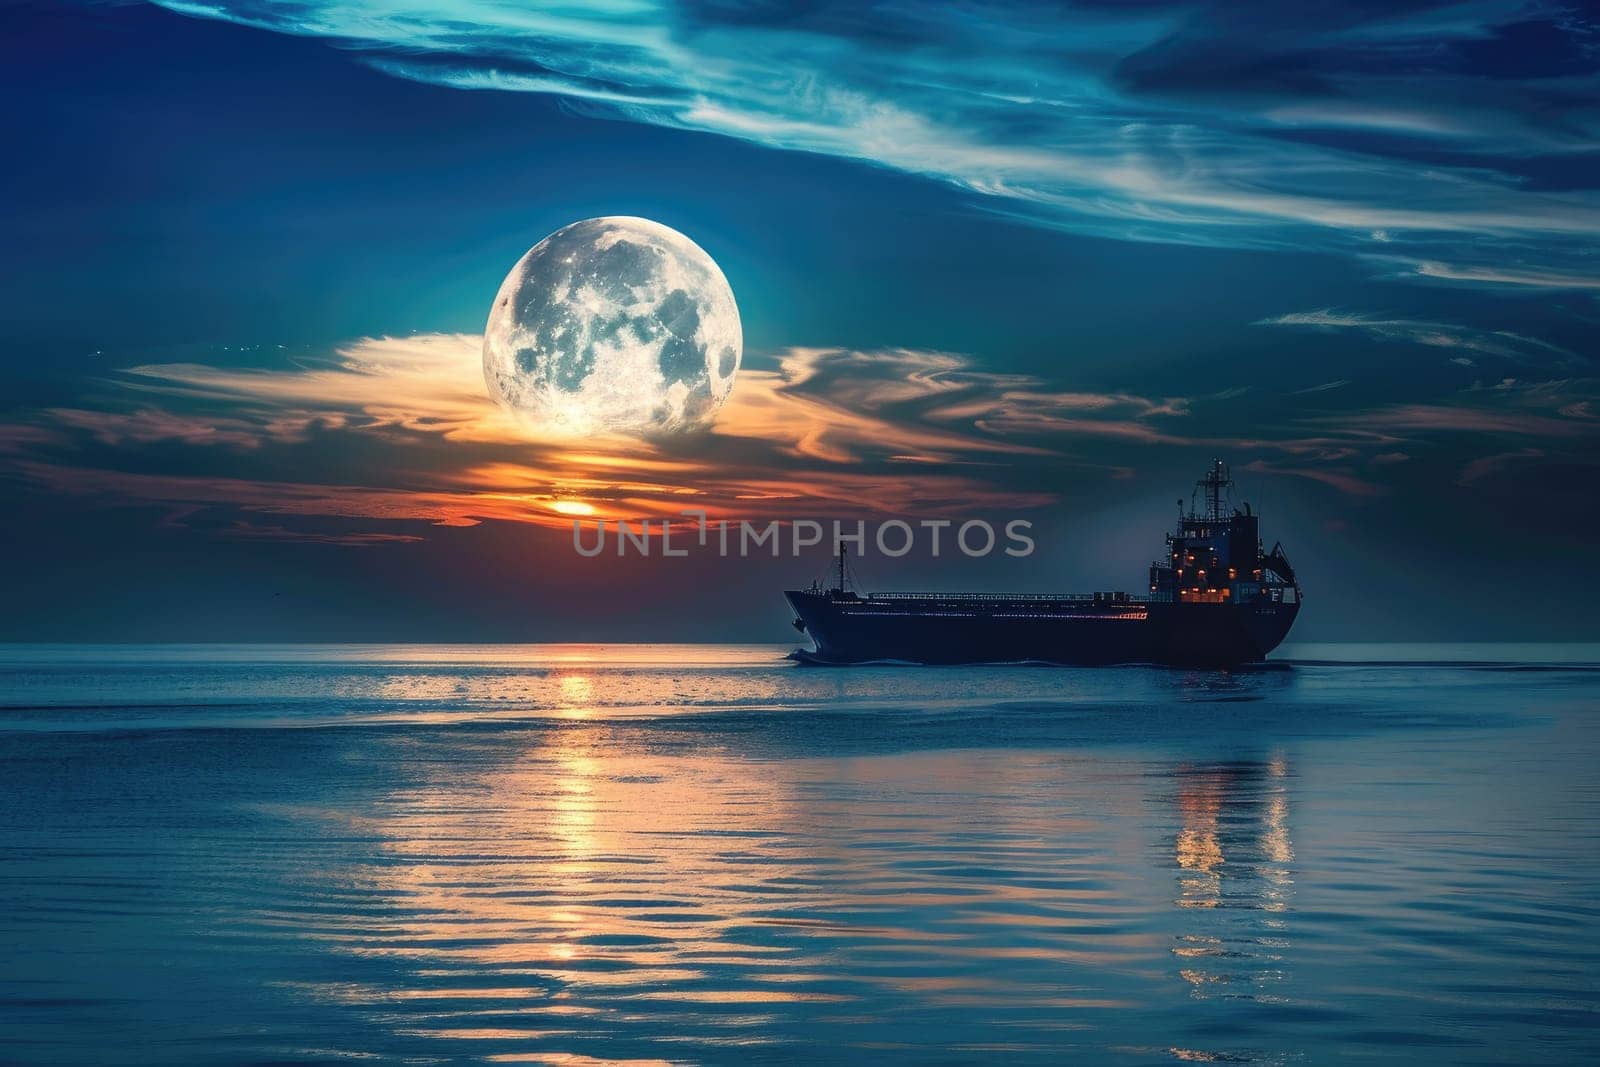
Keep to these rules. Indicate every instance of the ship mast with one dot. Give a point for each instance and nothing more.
(1216, 481)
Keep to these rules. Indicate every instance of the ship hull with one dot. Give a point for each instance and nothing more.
(863, 630)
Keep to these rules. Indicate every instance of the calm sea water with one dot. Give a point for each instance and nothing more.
(705, 854)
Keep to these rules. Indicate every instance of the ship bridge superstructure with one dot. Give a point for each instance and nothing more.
(1215, 555)
(1217, 599)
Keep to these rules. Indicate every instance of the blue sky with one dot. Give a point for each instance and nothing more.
(1349, 247)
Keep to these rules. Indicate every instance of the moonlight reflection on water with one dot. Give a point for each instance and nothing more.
(576, 854)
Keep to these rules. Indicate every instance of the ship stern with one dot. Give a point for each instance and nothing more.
(1220, 635)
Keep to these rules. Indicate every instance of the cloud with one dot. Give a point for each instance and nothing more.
(1399, 419)
(833, 405)
(813, 431)
(1519, 422)
(388, 437)
(1264, 124)
(1501, 343)
(273, 497)
(430, 384)
(148, 425)
(1342, 480)
(1506, 276)
(1325, 387)
(1493, 466)
(1561, 411)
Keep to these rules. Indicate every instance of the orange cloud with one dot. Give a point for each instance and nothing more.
(820, 432)
(430, 384)
(286, 498)
(1345, 482)
(825, 432)
(833, 405)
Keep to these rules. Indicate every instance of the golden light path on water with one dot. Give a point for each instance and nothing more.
(631, 854)
(589, 876)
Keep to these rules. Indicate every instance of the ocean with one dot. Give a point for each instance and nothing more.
(706, 854)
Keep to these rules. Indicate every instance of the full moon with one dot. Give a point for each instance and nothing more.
(615, 323)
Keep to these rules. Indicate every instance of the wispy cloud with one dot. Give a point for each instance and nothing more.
(1493, 466)
(833, 405)
(1158, 121)
(1467, 436)
(1325, 387)
(1501, 343)
(815, 431)
(147, 425)
(389, 436)
(1340, 479)
(1560, 412)
(1513, 423)
(429, 384)
(1506, 276)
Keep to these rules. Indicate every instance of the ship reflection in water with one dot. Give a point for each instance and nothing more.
(708, 856)
(1234, 855)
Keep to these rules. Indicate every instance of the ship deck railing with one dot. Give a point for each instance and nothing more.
(1045, 598)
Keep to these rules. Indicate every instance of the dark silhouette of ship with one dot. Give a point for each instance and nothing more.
(1218, 599)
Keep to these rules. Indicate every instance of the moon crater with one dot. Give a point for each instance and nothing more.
(613, 324)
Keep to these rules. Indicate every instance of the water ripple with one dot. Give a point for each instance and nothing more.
(1128, 866)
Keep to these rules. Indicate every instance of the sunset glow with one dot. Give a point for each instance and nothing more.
(800, 532)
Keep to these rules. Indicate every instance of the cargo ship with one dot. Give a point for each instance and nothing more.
(1217, 598)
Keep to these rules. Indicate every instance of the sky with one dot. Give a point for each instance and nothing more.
(991, 260)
